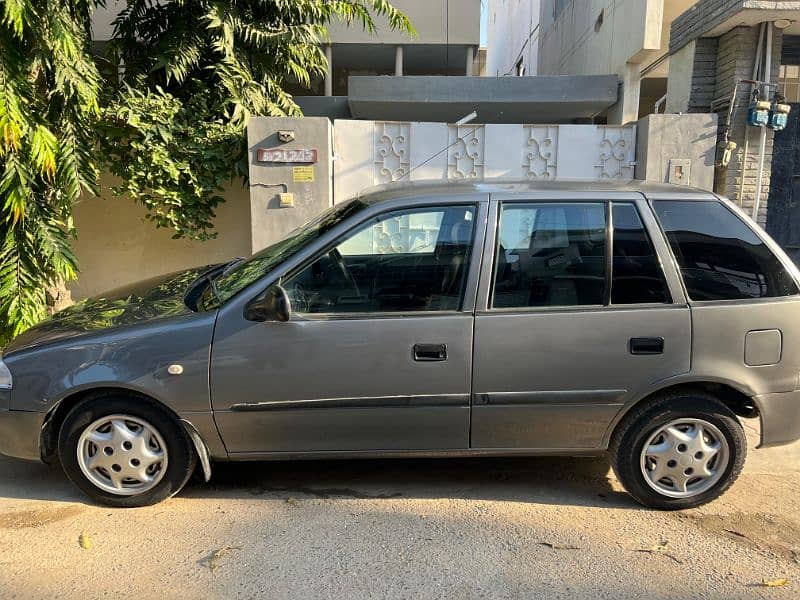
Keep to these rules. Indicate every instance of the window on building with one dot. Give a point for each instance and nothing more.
(789, 82)
(550, 254)
(636, 275)
(720, 257)
(405, 261)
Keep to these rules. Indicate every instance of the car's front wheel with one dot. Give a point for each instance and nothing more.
(680, 451)
(125, 452)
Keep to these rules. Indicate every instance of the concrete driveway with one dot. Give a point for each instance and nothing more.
(478, 528)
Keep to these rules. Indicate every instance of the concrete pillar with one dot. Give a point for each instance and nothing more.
(398, 61)
(470, 60)
(626, 110)
(329, 72)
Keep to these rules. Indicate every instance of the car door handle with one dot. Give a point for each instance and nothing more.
(430, 352)
(646, 345)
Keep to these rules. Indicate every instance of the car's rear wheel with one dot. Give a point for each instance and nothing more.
(125, 452)
(681, 451)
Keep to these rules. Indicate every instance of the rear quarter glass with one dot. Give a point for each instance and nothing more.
(720, 256)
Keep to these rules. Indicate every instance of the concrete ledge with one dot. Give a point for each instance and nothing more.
(333, 107)
(551, 99)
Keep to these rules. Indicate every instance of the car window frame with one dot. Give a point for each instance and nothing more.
(773, 247)
(669, 270)
(480, 205)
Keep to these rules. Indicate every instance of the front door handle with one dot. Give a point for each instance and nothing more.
(646, 345)
(430, 352)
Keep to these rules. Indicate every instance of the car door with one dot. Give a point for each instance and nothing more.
(576, 315)
(378, 353)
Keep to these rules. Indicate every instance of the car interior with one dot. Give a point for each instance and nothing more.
(390, 279)
(560, 262)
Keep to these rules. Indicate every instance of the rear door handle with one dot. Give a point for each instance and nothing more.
(646, 345)
(430, 352)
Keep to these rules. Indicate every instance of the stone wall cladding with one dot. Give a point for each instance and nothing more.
(704, 76)
(735, 57)
(702, 17)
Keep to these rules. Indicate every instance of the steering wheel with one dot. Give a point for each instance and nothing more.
(337, 258)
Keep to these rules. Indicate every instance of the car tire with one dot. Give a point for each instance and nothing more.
(127, 435)
(691, 438)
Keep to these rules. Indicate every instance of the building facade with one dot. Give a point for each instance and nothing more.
(629, 38)
(512, 38)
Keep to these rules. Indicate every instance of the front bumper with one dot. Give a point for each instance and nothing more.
(780, 418)
(20, 432)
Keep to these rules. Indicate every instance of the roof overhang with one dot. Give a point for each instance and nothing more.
(713, 18)
(551, 99)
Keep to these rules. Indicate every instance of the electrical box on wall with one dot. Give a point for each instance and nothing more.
(680, 170)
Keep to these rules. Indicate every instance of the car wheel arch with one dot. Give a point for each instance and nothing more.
(736, 399)
(48, 440)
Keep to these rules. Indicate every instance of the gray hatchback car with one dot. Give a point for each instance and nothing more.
(433, 319)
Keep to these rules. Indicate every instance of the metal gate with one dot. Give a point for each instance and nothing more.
(783, 208)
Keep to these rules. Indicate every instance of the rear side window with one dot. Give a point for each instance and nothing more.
(636, 275)
(720, 257)
(550, 254)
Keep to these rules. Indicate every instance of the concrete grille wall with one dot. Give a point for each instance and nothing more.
(375, 152)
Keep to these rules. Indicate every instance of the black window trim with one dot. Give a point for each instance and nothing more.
(746, 223)
(607, 305)
(361, 316)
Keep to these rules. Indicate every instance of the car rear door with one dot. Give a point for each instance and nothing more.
(575, 315)
(378, 353)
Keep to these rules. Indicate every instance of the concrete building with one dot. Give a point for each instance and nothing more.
(629, 38)
(512, 38)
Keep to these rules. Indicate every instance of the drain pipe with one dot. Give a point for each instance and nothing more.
(762, 144)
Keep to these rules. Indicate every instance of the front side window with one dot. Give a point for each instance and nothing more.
(404, 261)
(720, 257)
(550, 254)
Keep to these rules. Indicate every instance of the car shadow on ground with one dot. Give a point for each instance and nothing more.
(550, 480)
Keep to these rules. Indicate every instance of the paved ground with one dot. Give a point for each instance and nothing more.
(403, 529)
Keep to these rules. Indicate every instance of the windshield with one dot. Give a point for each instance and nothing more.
(246, 272)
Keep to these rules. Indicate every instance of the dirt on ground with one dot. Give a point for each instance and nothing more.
(466, 528)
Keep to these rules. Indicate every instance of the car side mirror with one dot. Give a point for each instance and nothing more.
(272, 305)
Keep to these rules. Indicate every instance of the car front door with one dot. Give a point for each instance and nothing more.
(576, 315)
(378, 352)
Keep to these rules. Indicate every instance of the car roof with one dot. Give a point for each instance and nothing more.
(436, 187)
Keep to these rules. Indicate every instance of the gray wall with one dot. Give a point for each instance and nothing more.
(665, 142)
(270, 222)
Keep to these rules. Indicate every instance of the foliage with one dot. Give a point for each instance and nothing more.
(208, 66)
(170, 119)
(49, 96)
(170, 161)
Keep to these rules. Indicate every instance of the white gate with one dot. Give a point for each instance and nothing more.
(368, 153)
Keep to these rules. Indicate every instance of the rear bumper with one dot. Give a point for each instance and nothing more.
(780, 418)
(19, 433)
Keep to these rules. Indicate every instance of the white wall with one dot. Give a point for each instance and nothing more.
(513, 34)
(369, 153)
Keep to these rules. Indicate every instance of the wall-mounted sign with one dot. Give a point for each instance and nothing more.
(303, 174)
(286, 155)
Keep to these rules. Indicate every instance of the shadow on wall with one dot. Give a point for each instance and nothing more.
(116, 245)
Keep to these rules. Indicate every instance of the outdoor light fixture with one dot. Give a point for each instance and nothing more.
(782, 23)
(464, 120)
